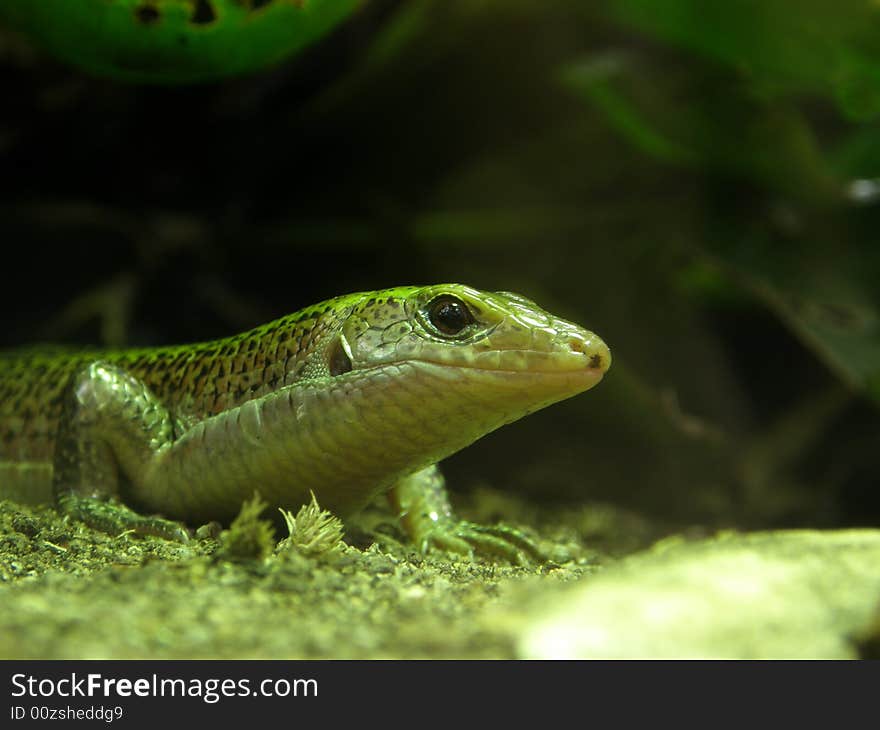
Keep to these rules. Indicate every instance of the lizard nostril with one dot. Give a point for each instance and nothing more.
(596, 352)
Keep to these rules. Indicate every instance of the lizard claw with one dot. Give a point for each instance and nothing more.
(467, 538)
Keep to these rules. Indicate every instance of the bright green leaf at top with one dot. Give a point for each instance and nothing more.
(173, 41)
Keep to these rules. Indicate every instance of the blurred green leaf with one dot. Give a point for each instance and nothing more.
(827, 296)
(705, 119)
(832, 49)
(596, 79)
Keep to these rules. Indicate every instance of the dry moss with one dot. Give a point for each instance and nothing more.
(313, 532)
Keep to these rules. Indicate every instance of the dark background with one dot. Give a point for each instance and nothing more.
(695, 183)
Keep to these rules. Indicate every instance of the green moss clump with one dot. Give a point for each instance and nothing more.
(248, 537)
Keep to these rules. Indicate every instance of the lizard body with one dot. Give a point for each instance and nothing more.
(349, 398)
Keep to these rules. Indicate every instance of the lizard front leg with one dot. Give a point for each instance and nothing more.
(111, 428)
(421, 502)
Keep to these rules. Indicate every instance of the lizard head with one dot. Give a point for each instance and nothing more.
(414, 374)
(461, 327)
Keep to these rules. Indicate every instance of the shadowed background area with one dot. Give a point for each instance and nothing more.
(666, 174)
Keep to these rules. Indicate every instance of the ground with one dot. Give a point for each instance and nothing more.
(617, 586)
(70, 592)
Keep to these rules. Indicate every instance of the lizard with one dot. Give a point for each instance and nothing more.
(346, 399)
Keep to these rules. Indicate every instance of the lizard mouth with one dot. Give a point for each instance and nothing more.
(581, 356)
(591, 357)
(532, 385)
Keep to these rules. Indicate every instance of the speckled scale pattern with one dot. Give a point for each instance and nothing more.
(193, 381)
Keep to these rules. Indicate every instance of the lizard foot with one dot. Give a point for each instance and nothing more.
(470, 538)
(115, 518)
(421, 503)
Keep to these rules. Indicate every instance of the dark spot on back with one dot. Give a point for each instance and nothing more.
(203, 13)
(254, 4)
(595, 361)
(147, 14)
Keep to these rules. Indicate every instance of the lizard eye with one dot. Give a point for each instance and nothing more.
(449, 315)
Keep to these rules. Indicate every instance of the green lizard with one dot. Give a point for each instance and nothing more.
(349, 398)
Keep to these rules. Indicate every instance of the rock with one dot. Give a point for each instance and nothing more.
(787, 594)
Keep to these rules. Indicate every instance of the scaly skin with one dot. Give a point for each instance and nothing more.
(173, 41)
(349, 398)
